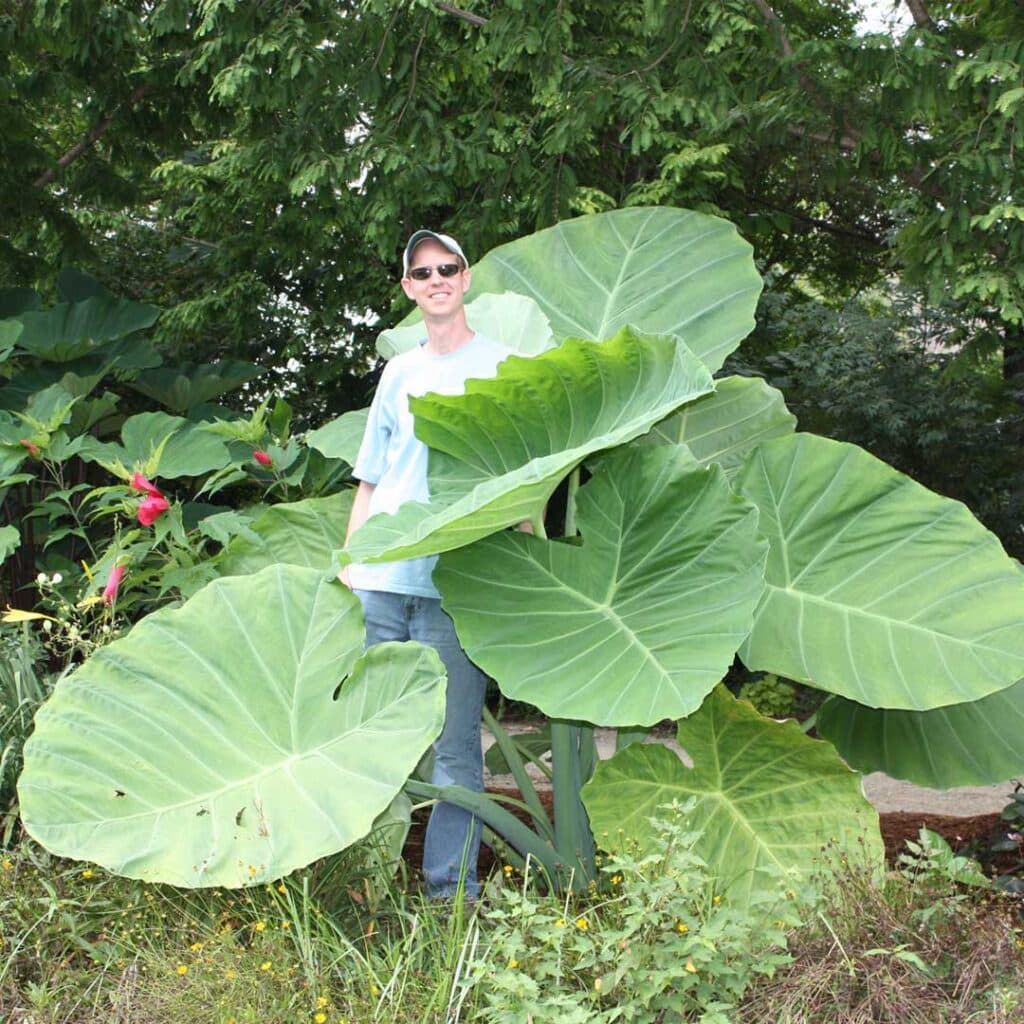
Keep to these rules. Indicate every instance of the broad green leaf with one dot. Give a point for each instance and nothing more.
(661, 270)
(514, 320)
(767, 795)
(74, 285)
(181, 388)
(500, 449)
(189, 449)
(15, 301)
(72, 329)
(205, 748)
(976, 744)
(724, 426)
(639, 622)
(340, 439)
(10, 330)
(305, 533)
(10, 541)
(878, 589)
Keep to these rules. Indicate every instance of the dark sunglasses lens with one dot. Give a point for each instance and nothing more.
(445, 270)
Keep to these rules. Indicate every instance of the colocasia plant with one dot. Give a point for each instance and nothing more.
(247, 733)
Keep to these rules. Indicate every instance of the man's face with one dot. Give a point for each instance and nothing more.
(436, 296)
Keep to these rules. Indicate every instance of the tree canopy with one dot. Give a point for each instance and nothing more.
(255, 168)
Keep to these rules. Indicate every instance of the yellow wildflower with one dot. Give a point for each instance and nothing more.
(513, 964)
(266, 965)
(282, 888)
(616, 879)
(508, 869)
(560, 923)
(8, 864)
(374, 991)
(230, 973)
(181, 969)
(286, 925)
(252, 870)
(196, 946)
(716, 899)
(88, 873)
(321, 1002)
(690, 967)
(260, 926)
(320, 1017)
(682, 927)
(582, 923)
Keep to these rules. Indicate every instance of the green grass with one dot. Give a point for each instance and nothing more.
(338, 942)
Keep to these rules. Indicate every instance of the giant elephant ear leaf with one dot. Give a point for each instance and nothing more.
(305, 533)
(639, 622)
(499, 450)
(973, 744)
(185, 448)
(340, 438)
(73, 329)
(662, 270)
(724, 427)
(878, 589)
(768, 797)
(206, 747)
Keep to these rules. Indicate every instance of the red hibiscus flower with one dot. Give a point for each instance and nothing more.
(152, 508)
(110, 590)
(140, 483)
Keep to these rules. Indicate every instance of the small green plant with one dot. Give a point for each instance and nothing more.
(653, 939)
(772, 696)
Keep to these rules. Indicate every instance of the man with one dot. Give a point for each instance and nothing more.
(400, 601)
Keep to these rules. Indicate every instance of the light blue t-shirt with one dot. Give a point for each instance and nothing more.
(394, 459)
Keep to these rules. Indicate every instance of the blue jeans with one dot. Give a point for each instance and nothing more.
(453, 834)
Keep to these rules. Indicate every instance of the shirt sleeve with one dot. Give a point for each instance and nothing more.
(371, 460)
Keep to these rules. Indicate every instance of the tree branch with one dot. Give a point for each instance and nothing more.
(922, 19)
(95, 134)
(772, 19)
(458, 12)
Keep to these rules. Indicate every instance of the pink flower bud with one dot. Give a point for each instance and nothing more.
(113, 582)
(152, 508)
(262, 458)
(33, 450)
(140, 483)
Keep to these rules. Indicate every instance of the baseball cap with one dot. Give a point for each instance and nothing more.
(447, 241)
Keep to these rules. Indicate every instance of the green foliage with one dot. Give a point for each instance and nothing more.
(23, 688)
(653, 938)
(772, 696)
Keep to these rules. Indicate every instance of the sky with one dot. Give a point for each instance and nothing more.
(884, 16)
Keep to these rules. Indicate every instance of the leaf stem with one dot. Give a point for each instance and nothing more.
(570, 503)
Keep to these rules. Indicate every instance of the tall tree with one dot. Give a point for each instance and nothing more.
(260, 164)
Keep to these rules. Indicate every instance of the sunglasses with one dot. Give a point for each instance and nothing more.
(444, 269)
